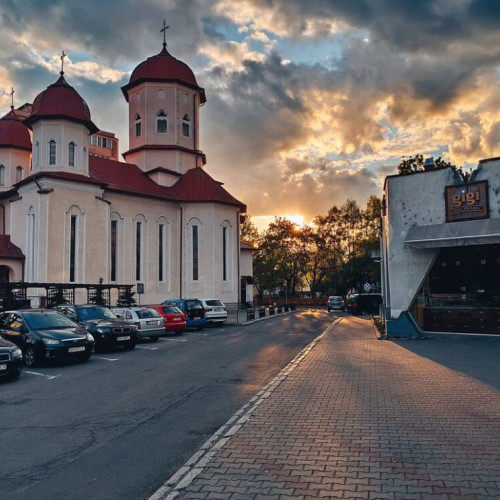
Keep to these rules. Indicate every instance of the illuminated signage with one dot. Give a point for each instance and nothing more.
(467, 201)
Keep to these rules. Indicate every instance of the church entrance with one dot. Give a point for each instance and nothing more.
(4, 274)
(462, 291)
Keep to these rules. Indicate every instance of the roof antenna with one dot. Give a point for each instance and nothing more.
(164, 30)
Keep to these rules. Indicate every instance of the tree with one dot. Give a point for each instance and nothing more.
(416, 163)
(249, 232)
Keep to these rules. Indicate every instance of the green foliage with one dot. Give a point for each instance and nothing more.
(126, 297)
(330, 256)
(248, 231)
(416, 164)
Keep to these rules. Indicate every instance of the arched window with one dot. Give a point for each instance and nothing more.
(186, 99)
(52, 152)
(161, 94)
(185, 125)
(71, 154)
(19, 174)
(36, 153)
(137, 125)
(2, 175)
(161, 122)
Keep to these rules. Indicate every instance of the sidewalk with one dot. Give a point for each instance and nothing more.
(356, 417)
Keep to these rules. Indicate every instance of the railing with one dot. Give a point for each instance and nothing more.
(238, 313)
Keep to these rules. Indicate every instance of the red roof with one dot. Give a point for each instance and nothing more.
(124, 177)
(163, 67)
(13, 133)
(61, 100)
(8, 250)
(196, 185)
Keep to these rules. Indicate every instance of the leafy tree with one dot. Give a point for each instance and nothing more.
(416, 163)
(249, 232)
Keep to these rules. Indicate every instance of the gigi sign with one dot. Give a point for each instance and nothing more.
(467, 201)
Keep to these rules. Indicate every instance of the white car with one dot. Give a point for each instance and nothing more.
(150, 323)
(215, 310)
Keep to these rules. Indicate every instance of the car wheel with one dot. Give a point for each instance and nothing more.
(179, 333)
(85, 357)
(128, 346)
(153, 339)
(31, 358)
(199, 328)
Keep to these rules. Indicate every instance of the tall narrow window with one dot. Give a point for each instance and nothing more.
(161, 94)
(52, 152)
(137, 126)
(161, 252)
(195, 253)
(72, 248)
(2, 175)
(224, 253)
(71, 154)
(36, 154)
(31, 248)
(161, 122)
(19, 174)
(138, 249)
(185, 126)
(113, 254)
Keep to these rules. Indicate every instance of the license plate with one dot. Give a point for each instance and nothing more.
(152, 322)
(177, 319)
(77, 349)
(123, 338)
(3, 367)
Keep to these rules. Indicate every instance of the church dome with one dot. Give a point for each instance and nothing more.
(13, 133)
(163, 67)
(61, 100)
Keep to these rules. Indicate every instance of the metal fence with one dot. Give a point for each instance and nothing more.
(238, 313)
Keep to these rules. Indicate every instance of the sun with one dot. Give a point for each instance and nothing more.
(298, 220)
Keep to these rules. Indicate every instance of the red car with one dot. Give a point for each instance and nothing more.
(174, 318)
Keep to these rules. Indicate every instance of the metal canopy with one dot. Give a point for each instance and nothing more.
(471, 232)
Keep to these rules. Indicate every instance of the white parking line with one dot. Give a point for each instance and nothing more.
(145, 347)
(174, 340)
(49, 377)
(107, 359)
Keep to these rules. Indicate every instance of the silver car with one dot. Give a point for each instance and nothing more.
(150, 323)
(215, 310)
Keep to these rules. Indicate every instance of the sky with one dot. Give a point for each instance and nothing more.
(309, 103)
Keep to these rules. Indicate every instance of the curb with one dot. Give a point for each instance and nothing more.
(186, 474)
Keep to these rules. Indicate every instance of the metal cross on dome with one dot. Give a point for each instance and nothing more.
(164, 30)
(12, 97)
(63, 55)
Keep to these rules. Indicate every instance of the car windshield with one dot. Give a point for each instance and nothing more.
(170, 309)
(214, 303)
(147, 313)
(47, 320)
(94, 312)
(336, 298)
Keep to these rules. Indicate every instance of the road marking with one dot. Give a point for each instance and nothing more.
(145, 347)
(175, 340)
(49, 377)
(107, 359)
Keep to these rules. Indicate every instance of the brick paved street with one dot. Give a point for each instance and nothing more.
(357, 417)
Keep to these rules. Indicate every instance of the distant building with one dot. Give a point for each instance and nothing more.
(440, 251)
(71, 212)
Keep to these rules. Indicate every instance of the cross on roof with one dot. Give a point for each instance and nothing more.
(12, 98)
(63, 55)
(164, 30)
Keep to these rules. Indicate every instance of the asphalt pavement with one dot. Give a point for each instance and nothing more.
(354, 416)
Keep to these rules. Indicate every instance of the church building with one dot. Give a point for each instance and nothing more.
(72, 212)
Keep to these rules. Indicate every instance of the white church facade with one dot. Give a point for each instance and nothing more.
(71, 212)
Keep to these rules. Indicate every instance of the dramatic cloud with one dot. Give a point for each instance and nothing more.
(309, 103)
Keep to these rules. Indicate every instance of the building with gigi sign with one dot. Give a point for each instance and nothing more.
(440, 251)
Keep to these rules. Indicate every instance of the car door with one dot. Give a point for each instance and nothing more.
(13, 328)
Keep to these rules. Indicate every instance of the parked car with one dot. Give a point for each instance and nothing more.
(100, 321)
(334, 302)
(175, 319)
(148, 321)
(192, 308)
(45, 334)
(364, 303)
(11, 360)
(215, 310)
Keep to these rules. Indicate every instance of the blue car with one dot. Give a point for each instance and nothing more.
(193, 309)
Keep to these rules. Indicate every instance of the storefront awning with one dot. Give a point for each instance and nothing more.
(471, 232)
